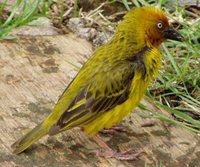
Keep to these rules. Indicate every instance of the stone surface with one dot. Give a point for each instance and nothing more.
(41, 26)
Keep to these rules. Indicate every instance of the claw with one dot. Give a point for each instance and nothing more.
(126, 155)
(109, 153)
(114, 129)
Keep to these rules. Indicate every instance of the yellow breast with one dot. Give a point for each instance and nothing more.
(139, 85)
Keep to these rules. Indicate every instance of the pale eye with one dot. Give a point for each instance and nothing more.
(160, 25)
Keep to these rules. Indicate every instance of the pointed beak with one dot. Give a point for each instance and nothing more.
(172, 34)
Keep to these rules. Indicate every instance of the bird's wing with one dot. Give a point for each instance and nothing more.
(105, 90)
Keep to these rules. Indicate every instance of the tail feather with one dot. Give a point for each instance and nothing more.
(30, 138)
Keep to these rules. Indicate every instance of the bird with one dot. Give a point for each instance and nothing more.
(112, 81)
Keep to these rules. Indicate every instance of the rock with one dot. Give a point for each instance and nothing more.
(41, 26)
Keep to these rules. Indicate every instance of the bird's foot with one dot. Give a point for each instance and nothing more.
(109, 153)
(114, 129)
(126, 155)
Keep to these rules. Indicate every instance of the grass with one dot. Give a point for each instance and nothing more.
(180, 78)
(22, 12)
(177, 88)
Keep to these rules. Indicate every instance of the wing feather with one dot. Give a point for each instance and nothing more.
(113, 89)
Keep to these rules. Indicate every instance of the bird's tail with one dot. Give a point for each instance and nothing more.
(30, 138)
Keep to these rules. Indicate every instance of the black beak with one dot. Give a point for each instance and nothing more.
(172, 34)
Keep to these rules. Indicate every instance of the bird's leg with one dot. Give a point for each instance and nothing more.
(114, 129)
(109, 153)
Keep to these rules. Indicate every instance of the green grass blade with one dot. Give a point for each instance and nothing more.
(14, 10)
(136, 3)
(125, 2)
(171, 59)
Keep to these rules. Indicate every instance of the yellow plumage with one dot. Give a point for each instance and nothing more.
(113, 81)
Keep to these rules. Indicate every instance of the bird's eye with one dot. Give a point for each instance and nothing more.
(160, 25)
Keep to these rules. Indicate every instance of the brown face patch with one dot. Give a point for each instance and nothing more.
(155, 32)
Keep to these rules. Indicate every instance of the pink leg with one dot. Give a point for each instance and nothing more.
(114, 129)
(109, 153)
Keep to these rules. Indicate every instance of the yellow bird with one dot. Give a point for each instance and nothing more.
(114, 79)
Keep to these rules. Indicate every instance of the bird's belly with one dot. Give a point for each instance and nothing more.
(115, 115)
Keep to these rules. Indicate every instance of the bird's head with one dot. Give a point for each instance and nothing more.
(150, 25)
